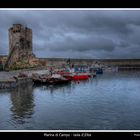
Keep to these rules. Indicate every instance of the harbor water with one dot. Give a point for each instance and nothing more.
(110, 101)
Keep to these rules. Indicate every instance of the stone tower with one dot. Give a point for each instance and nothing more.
(20, 44)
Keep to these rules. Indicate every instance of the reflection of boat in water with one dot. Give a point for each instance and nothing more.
(53, 88)
(49, 86)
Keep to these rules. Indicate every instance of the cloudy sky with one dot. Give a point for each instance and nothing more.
(77, 34)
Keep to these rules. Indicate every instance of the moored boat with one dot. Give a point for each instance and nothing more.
(92, 72)
(48, 79)
(99, 71)
(75, 75)
(81, 76)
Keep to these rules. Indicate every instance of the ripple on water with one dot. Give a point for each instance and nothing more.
(109, 101)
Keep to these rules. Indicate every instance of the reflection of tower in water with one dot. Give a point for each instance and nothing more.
(22, 101)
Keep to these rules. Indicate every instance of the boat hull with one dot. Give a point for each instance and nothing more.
(80, 77)
(51, 81)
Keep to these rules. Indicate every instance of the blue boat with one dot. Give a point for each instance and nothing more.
(99, 71)
(1, 66)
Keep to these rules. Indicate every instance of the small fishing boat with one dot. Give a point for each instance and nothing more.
(49, 79)
(55, 81)
(81, 76)
(75, 75)
(99, 71)
(67, 75)
(92, 72)
(1, 66)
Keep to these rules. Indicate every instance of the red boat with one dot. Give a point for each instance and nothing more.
(67, 75)
(81, 76)
(75, 76)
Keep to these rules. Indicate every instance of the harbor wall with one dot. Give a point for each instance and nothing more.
(122, 64)
(58, 62)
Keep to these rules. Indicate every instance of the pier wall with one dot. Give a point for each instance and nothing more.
(103, 62)
(58, 62)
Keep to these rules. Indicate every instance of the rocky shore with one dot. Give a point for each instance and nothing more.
(8, 80)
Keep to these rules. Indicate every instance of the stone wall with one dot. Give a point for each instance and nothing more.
(58, 62)
(108, 62)
(20, 45)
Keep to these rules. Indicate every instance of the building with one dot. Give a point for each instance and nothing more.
(20, 45)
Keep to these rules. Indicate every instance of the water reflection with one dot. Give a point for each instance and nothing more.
(22, 102)
(109, 101)
(62, 88)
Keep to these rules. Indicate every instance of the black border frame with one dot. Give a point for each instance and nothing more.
(69, 4)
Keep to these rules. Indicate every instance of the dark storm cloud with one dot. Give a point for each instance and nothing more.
(79, 34)
(83, 43)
